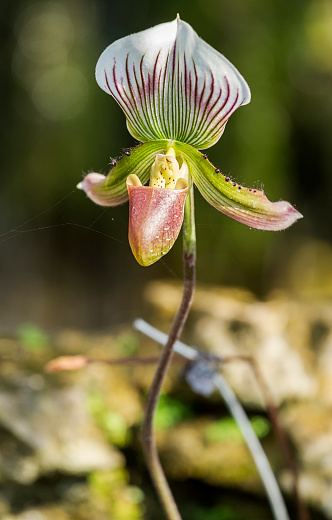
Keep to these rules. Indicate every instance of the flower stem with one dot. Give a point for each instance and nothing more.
(149, 442)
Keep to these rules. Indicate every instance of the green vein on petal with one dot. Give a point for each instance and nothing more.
(246, 205)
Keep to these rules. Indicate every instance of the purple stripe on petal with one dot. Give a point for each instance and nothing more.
(209, 125)
(194, 98)
(131, 89)
(118, 90)
(231, 109)
(210, 118)
(122, 102)
(107, 83)
(204, 116)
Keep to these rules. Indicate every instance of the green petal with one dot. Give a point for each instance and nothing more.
(112, 189)
(246, 205)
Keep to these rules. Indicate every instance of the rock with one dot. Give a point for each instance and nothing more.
(57, 431)
(45, 513)
(66, 423)
(232, 322)
(291, 341)
(186, 452)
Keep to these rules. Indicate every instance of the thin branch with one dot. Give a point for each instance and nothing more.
(68, 363)
(303, 513)
(260, 459)
(267, 476)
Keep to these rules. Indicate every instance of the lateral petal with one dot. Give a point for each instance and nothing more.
(112, 189)
(246, 205)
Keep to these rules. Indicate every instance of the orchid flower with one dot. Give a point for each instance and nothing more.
(177, 94)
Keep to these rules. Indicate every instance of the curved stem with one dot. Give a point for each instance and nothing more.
(149, 443)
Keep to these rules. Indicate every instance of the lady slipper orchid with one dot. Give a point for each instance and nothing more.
(177, 94)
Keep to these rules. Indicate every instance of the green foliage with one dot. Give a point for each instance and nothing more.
(170, 412)
(111, 421)
(261, 426)
(231, 509)
(32, 337)
(112, 493)
(227, 429)
(219, 512)
(128, 343)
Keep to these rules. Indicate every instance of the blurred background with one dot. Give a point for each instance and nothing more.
(65, 263)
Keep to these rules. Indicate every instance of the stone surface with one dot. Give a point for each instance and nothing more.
(291, 341)
(72, 424)
(187, 453)
(58, 432)
(279, 333)
(57, 428)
